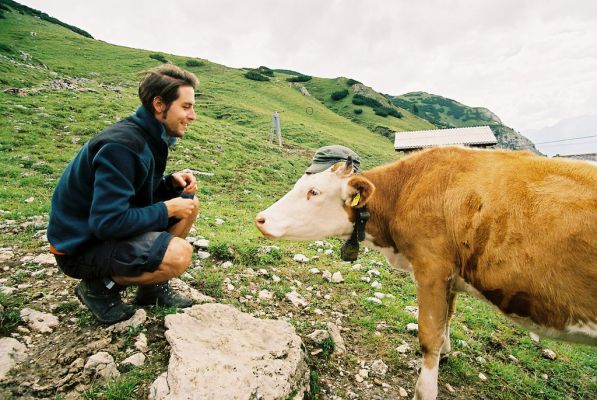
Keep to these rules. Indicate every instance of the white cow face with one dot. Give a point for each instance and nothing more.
(317, 207)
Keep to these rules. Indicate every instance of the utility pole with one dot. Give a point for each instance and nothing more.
(276, 129)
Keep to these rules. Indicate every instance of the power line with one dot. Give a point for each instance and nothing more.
(565, 140)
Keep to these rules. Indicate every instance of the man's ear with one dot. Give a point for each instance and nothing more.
(158, 104)
(360, 190)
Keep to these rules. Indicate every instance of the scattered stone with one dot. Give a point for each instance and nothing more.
(219, 221)
(450, 388)
(202, 255)
(413, 310)
(337, 277)
(462, 343)
(159, 388)
(39, 321)
(534, 337)
(227, 264)
(201, 244)
(12, 352)
(301, 258)
(512, 358)
(549, 354)
(328, 252)
(339, 346)
(29, 200)
(318, 336)
(268, 249)
(101, 367)
(266, 295)
(544, 377)
(403, 348)
(276, 278)
(481, 360)
(45, 259)
(373, 300)
(141, 343)
(379, 295)
(296, 299)
(314, 271)
(379, 368)
(327, 275)
(373, 272)
(136, 360)
(482, 377)
(412, 327)
(136, 320)
(376, 285)
(356, 267)
(316, 352)
(214, 345)
(6, 255)
(365, 279)
(7, 290)
(358, 378)
(186, 290)
(402, 392)
(363, 373)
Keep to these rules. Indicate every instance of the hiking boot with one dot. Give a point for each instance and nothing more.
(161, 295)
(105, 304)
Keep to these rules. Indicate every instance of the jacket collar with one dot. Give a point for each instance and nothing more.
(151, 125)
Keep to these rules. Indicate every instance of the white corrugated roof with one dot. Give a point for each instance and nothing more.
(444, 137)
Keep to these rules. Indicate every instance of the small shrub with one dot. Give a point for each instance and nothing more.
(360, 100)
(158, 57)
(358, 110)
(194, 63)
(300, 78)
(221, 251)
(256, 76)
(351, 82)
(339, 95)
(5, 48)
(328, 347)
(381, 111)
(265, 71)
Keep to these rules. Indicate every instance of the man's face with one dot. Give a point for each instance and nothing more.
(180, 114)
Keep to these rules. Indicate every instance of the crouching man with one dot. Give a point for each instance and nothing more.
(116, 220)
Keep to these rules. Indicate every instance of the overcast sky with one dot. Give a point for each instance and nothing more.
(532, 62)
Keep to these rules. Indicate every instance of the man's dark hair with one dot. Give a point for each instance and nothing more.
(163, 82)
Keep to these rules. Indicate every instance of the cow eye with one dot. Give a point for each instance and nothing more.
(311, 193)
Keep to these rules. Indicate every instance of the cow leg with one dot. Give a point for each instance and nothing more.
(447, 346)
(433, 285)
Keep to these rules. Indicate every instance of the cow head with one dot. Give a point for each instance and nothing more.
(320, 205)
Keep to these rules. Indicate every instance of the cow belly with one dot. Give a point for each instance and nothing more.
(575, 332)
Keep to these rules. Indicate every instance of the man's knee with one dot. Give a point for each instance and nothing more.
(178, 256)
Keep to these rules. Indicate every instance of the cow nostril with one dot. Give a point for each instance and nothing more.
(260, 220)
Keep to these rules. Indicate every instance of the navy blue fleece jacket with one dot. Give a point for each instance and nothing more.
(114, 188)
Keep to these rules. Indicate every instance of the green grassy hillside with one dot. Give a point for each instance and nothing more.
(59, 88)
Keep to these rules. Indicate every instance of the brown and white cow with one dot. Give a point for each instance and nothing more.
(513, 228)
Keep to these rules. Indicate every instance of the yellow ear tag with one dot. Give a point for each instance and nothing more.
(356, 199)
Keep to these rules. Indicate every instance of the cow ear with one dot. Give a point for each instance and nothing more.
(343, 169)
(360, 190)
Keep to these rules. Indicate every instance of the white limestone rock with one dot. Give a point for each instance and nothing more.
(339, 346)
(12, 352)
(101, 367)
(218, 352)
(318, 336)
(296, 299)
(190, 292)
(136, 360)
(136, 320)
(301, 258)
(39, 321)
(337, 277)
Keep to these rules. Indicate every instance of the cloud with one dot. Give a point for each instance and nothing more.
(533, 63)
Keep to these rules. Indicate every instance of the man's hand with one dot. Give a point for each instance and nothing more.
(180, 207)
(185, 179)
